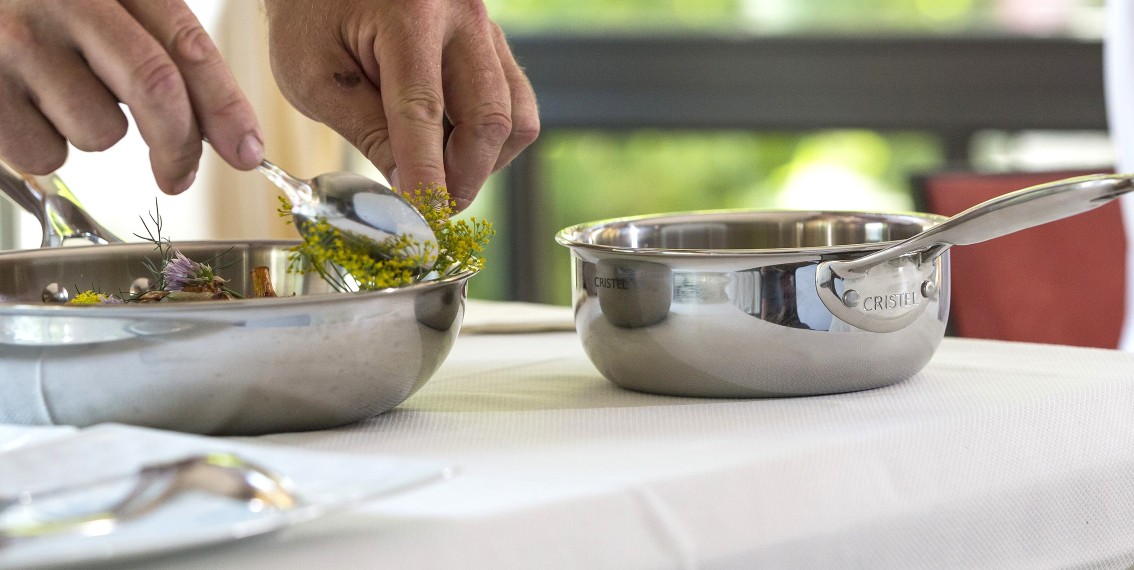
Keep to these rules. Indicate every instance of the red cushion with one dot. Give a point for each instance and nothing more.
(1061, 283)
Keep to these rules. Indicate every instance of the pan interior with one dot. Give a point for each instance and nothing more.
(751, 230)
(114, 268)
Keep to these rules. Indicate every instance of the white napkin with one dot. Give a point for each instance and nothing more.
(109, 455)
(13, 436)
(500, 317)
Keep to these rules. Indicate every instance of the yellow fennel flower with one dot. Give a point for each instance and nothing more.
(354, 263)
(89, 297)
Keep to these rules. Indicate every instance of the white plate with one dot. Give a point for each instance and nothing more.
(324, 482)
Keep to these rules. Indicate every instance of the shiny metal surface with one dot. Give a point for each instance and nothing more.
(58, 211)
(314, 360)
(724, 304)
(223, 474)
(356, 204)
(883, 291)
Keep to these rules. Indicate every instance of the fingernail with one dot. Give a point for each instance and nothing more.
(395, 180)
(186, 182)
(251, 150)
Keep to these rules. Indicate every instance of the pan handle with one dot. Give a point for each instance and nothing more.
(888, 289)
(59, 212)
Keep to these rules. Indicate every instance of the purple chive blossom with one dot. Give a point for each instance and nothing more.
(181, 272)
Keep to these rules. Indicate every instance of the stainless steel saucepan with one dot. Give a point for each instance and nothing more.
(779, 303)
(311, 358)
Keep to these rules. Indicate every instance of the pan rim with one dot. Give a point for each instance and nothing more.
(571, 236)
(204, 307)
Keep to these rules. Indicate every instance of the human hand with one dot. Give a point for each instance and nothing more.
(389, 75)
(65, 66)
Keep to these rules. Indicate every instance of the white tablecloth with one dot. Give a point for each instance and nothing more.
(996, 455)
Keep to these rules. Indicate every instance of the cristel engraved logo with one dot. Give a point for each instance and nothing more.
(611, 283)
(891, 301)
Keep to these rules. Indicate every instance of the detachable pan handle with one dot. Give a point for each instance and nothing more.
(888, 289)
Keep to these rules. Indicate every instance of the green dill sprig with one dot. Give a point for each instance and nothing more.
(349, 262)
(175, 272)
(162, 245)
(355, 263)
(460, 243)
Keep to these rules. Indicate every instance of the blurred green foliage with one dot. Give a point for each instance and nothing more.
(795, 16)
(591, 175)
(649, 170)
(576, 15)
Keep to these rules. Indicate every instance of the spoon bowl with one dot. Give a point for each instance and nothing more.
(356, 205)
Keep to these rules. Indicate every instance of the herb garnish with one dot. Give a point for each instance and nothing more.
(175, 277)
(349, 262)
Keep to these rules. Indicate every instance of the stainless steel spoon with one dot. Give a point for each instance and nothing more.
(355, 204)
(222, 474)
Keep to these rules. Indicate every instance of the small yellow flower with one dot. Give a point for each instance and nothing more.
(350, 262)
(87, 297)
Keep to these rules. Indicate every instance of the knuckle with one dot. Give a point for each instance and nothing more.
(475, 9)
(492, 121)
(297, 96)
(375, 144)
(233, 108)
(422, 104)
(157, 77)
(526, 130)
(191, 42)
(17, 40)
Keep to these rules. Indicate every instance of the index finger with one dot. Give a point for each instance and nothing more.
(410, 84)
(225, 115)
(137, 69)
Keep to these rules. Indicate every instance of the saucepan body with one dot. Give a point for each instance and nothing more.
(726, 303)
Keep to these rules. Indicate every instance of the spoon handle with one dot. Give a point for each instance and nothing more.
(298, 191)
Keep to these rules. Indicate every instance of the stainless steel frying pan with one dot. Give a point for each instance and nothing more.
(312, 358)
